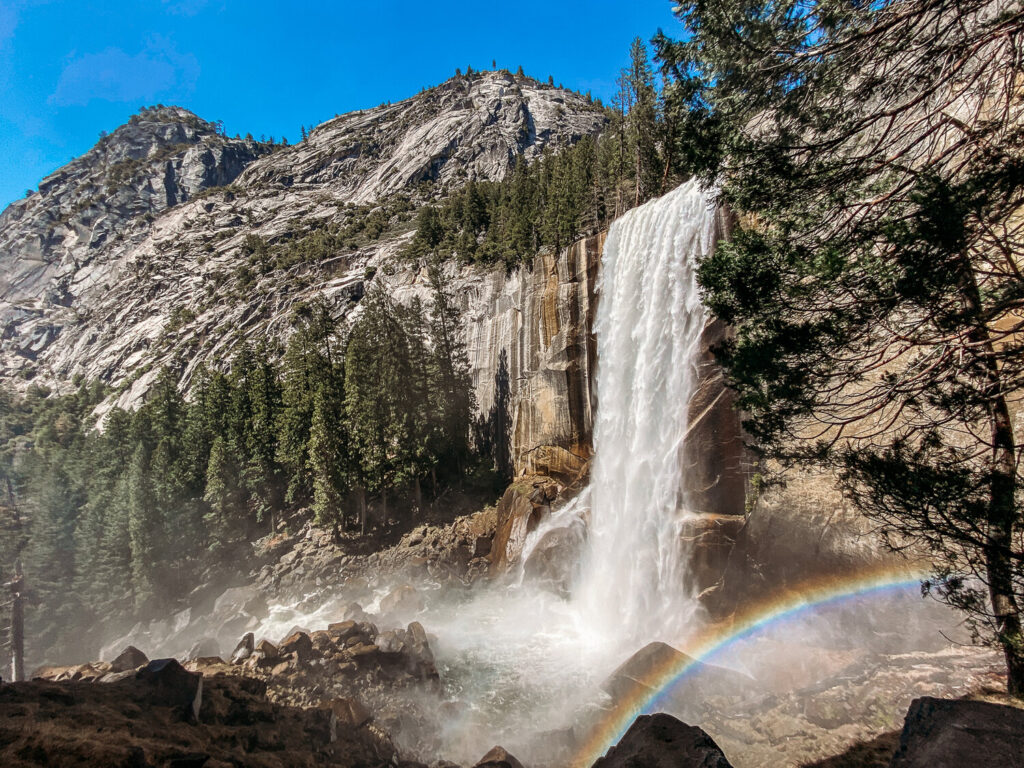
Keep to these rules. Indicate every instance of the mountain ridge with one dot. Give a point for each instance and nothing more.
(149, 250)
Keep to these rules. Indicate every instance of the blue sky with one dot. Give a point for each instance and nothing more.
(70, 69)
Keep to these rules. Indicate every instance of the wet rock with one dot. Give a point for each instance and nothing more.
(391, 641)
(638, 669)
(662, 741)
(244, 648)
(300, 645)
(649, 669)
(403, 600)
(498, 757)
(266, 651)
(518, 515)
(173, 686)
(944, 733)
(241, 600)
(354, 612)
(555, 559)
(130, 658)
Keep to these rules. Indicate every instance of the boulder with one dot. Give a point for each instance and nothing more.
(645, 669)
(519, 511)
(650, 669)
(244, 648)
(173, 686)
(341, 631)
(323, 643)
(241, 600)
(662, 741)
(498, 757)
(944, 733)
(354, 612)
(300, 645)
(349, 712)
(402, 600)
(555, 559)
(266, 651)
(130, 658)
(421, 658)
(392, 641)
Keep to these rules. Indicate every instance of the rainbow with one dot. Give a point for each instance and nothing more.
(808, 597)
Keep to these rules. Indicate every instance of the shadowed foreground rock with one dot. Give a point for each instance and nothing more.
(137, 722)
(661, 741)
(498, 757)
(943, 733)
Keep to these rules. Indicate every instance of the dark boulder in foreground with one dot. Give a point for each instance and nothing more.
(130, 658)
(945, 733)
(662, 741)
(498, 757)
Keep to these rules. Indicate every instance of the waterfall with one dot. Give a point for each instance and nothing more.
(648, 325)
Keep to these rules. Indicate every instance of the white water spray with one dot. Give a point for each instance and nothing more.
(649, 322)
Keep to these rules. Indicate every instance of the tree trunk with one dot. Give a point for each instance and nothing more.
(362, 511)
(1002, 511)
(384, 505)
(18, 626)
(1001, 519)
(419, 498)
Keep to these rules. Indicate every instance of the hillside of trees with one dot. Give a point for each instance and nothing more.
(122, 521)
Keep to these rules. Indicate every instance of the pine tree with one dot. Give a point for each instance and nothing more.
(643, 124)
(143, 530)
(375, 371)
(222, 495)
(329, 458)
(453, 391)
(872, 273)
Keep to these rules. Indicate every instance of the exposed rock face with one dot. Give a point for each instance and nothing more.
(532, 354)
(55, 244)
(468, 127)
(715, 455)
(118, 266)
(523, 506)
(661, 741)
(942, 733)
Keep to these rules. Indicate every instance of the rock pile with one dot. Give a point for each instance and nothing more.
(166, 716)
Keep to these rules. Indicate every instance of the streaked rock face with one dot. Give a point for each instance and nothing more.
(531, 350)
(132, 257)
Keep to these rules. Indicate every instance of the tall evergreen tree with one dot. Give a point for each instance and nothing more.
(871, 278)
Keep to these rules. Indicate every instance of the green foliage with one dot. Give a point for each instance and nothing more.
(872, 279)
(549, 203)
(562, 195)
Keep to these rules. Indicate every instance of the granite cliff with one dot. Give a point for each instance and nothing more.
(169, 244)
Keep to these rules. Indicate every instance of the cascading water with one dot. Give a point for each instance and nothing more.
(649, 322)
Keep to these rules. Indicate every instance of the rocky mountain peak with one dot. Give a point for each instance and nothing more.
(470, 126)
(169, 244)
